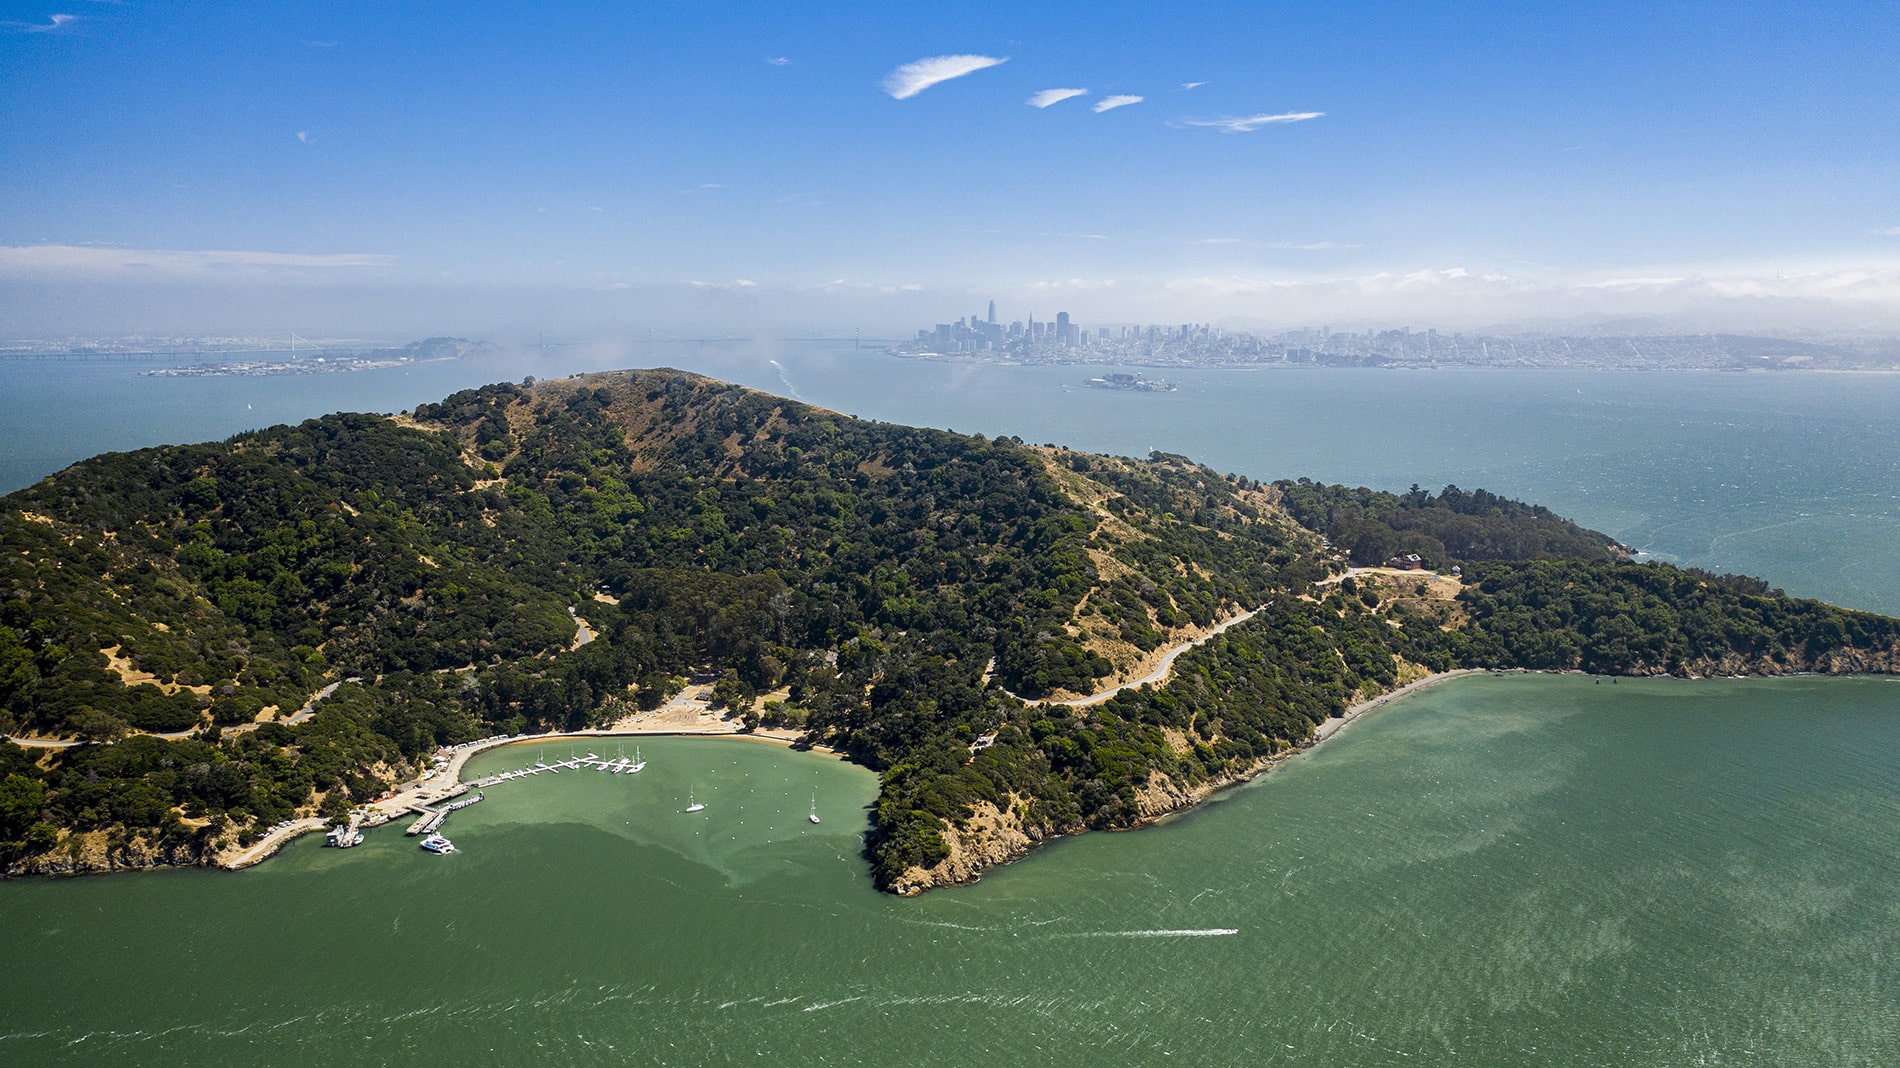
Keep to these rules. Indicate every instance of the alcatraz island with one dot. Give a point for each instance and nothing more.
(1021, 640)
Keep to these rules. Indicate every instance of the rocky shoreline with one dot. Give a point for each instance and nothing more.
(992, 837)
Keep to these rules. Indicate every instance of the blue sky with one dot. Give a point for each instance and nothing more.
(377, 167)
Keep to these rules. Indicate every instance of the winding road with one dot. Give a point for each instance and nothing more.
(1159, 674)
(309, 709)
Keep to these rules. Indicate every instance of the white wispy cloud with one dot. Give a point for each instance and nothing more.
(1216, 241)
(913, 78)
(1191, 85)
(778, 61)
(1110, 103)
(1309, 246)
(53, 22)
(1632, 283)
(1053, 96)
(1891, 231)
(304, 136)
(82, 259)
(856, 286)
(1249, 123)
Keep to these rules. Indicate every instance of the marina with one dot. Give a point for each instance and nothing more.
(431, 815)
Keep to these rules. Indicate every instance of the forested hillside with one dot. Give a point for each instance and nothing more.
(911, 596)
(1453, 525)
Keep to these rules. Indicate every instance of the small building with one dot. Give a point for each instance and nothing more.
(1408, 562)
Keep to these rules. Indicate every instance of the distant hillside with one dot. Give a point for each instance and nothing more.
(918, 599)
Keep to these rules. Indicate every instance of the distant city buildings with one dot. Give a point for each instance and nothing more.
(1200, 344)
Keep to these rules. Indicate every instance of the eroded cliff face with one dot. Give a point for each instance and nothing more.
(96, 852)
(991, 836)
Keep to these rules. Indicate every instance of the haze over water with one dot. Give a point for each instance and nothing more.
(1499, 871)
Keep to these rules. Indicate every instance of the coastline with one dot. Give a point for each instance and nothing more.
(438, 786)
(687, 717)
(993, 840)
(1332, 727)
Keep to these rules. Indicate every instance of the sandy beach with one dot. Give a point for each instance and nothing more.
(1333, 726)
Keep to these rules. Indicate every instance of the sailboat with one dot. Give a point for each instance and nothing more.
(637, 762)
(814, 806)
(692, 805)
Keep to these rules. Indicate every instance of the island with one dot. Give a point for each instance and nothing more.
(202, 643)
(314, 361)
(1136, 383)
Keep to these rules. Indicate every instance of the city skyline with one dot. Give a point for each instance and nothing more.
(361, 170)
(1066, 340)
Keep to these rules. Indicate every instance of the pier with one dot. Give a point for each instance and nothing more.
(428, 822)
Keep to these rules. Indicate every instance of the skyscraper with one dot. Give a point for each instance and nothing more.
(992, 311)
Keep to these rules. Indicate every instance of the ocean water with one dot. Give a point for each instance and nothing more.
(1502, 870)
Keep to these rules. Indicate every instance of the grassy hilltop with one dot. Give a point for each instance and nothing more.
(919, 599)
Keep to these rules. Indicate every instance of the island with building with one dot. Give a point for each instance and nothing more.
(1131, 382)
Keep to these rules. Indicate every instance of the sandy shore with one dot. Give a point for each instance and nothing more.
(1334, 726)
(688, 714)
(267, 846)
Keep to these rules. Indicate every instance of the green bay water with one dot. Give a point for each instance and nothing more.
(1502, 870)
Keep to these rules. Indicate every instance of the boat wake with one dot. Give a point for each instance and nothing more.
(1192, 932)
(786, 379)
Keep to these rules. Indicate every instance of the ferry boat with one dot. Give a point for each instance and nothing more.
(435, 843)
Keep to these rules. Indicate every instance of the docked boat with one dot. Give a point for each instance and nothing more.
(435, 843)
(343, 838)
